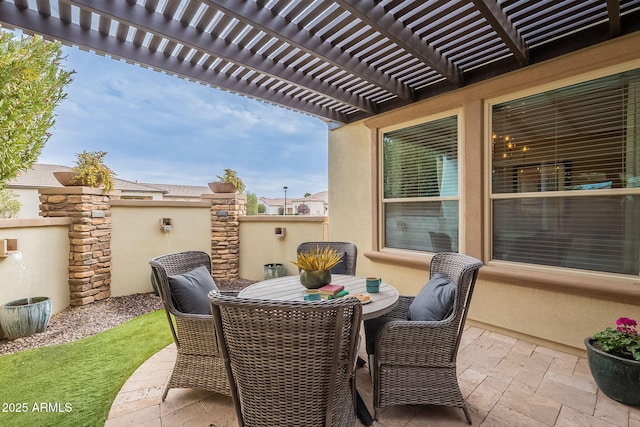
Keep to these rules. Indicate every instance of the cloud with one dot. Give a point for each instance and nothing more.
(159, 128)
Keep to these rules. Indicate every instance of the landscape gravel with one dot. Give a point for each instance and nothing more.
(74, 323)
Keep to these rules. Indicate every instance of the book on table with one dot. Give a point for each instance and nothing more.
(340, 294)
(330, 289)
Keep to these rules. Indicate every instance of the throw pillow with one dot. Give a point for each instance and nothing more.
(341, 267)
(189, 290)
(435, 299)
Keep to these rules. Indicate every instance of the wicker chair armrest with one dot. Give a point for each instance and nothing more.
(410, 342)
(196, 334)
(192, 317)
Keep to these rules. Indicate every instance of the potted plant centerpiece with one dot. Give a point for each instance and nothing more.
(315, 266)
(230, 182)
(89, 170)
(614, 361)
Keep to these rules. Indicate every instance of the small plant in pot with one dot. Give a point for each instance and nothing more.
(89, 170)
(229, 182)
(614, 361)
(315, 266)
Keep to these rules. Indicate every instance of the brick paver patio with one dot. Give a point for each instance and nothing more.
(505, 381)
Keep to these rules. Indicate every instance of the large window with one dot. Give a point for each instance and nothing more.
(420, 186)
(566, 176)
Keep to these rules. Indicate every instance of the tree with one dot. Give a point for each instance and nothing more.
(252, 203)
(262, 208)
(9, 204)
(307, 195)
(31, 87)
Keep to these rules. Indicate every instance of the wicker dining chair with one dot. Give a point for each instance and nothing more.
(290, 363)
(198, 361)
(441, 242)
(349, 252)
(414, 362)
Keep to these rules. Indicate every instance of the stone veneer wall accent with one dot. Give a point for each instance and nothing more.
(226, 208)
(89, 237)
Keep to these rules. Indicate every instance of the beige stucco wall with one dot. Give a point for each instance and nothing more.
(542, 315)
(29, 202)
(137, 238)
(260, 246)
(44, 245)
(540, 310)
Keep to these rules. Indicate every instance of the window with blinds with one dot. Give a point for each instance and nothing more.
(565, 176)
(420, 186)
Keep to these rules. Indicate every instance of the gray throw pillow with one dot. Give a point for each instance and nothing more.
(435, 299)
(190, 290)
(341, 267)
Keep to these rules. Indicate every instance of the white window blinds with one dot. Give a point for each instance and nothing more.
(565, 175)
(420, 186)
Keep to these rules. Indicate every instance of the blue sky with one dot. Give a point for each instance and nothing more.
(162, 129)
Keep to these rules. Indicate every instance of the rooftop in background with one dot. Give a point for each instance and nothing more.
(338, 60)
(41, 175)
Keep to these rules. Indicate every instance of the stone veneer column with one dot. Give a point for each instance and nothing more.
(225, 234)
(89, 238)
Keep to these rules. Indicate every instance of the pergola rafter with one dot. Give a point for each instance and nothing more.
(339, 60)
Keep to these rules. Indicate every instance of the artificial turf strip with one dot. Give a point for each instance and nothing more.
(74, 384)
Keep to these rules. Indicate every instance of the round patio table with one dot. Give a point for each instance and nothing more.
(288, 288)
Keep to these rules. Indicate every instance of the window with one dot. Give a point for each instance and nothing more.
(565, 182)
(420, 186)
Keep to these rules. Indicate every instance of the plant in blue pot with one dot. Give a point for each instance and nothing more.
(614, 361)
(315, 266)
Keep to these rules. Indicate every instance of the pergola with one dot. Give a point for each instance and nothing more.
(340, 60)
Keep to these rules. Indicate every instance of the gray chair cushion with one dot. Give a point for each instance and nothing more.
(435, 299)
(189, 290)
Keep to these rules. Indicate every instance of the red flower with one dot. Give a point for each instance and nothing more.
(626, 325)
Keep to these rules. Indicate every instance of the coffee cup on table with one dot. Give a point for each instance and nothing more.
(373, 284)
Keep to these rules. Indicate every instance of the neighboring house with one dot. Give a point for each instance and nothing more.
(316, 204)
(177, 192)
(26, 187)
(272, 205)
(27, 183)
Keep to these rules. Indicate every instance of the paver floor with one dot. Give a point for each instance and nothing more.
(505, 382)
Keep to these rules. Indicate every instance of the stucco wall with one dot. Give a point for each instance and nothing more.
(29, 202)
(259, 245)
(137, 238)
(44, 246)
(543, 315)
(563, 316)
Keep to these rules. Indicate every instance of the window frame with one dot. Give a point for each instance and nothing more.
(379, 181)
(490, 197)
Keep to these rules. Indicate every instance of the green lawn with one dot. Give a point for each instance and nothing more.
(74, 384)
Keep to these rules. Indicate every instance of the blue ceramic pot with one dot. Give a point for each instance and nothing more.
(618, 378)
(25, 317)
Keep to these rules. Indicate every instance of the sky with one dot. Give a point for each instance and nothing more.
(162, 129)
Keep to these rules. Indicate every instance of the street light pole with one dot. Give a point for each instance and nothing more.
(284, 212)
